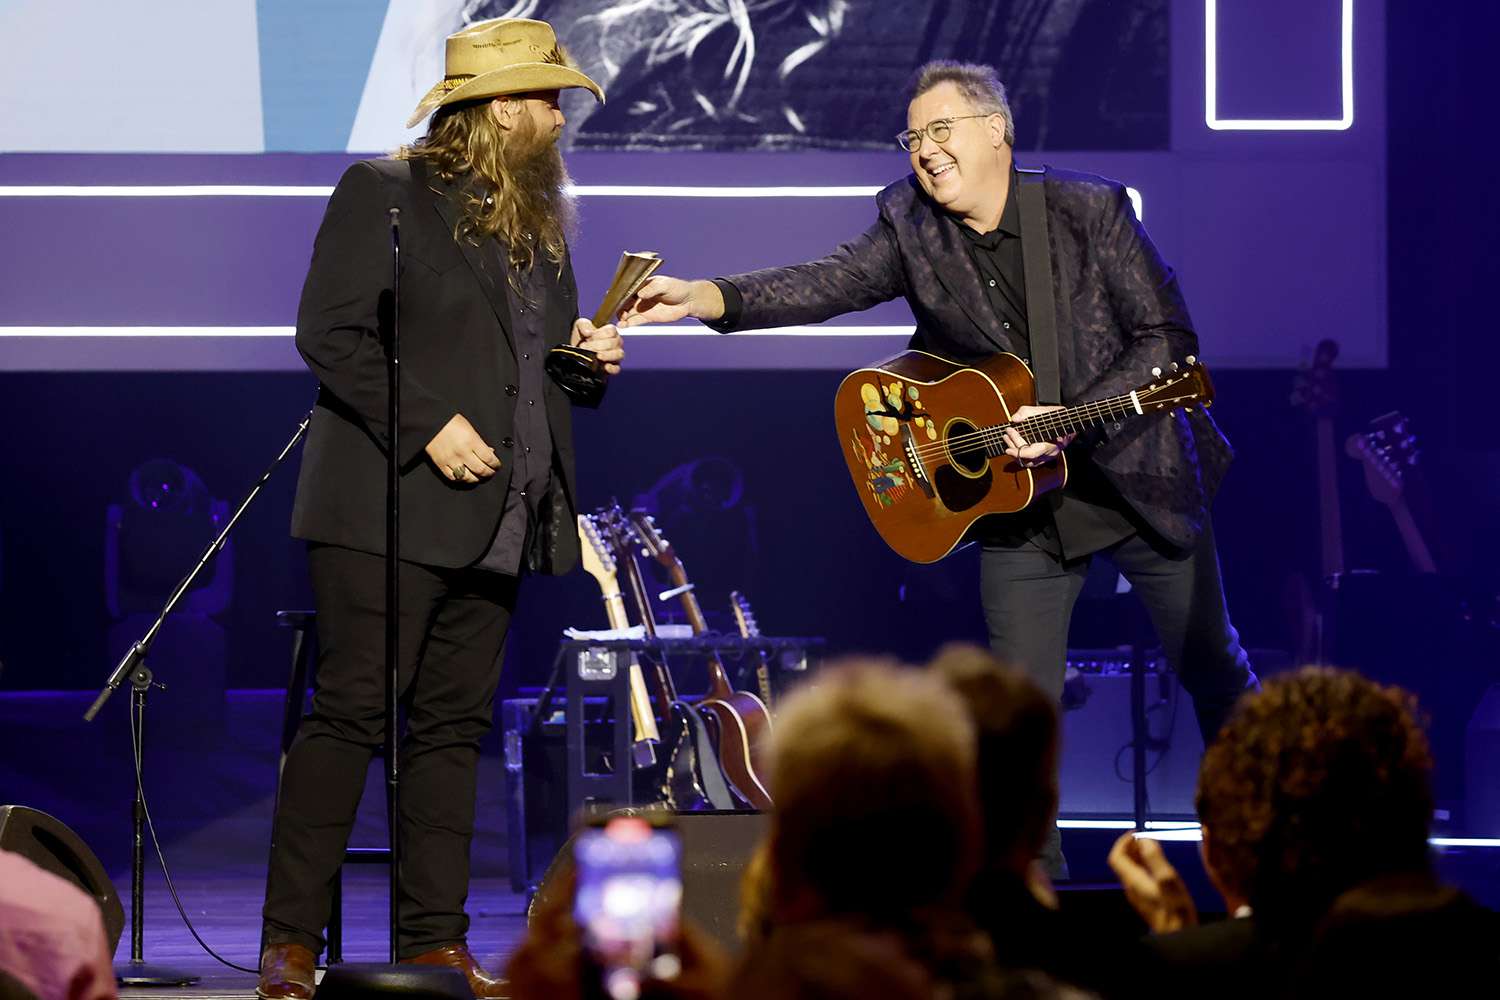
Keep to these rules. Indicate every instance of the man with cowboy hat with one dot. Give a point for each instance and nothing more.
(487, 487)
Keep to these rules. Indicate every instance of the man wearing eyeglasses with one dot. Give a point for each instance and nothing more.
(949, 239)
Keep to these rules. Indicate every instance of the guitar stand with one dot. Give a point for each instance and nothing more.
(590, 673)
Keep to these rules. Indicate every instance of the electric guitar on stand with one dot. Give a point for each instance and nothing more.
(741, 719)
(599, 563)
(924, 438)
(1388, 452)
(744, 620)
(1316, 392)
(690, 778)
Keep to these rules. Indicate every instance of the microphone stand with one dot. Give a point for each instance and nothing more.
(393, 577)
(133, 666)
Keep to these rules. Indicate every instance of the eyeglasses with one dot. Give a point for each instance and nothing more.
(937, 131)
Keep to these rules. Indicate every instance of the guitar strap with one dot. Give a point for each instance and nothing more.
(1041, 310)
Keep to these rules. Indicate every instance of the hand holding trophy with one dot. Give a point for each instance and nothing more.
(578, 370)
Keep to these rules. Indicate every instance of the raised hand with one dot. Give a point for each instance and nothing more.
(460, 454)
(1152, 885)
(665, 300)
(604, 341)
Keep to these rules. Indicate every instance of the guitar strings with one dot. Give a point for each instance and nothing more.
(1048, 426)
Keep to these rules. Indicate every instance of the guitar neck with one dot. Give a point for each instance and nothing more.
(718, 677)
(748, 630)
(1411, 537)
(1329, 518)
(1054, 424)
(614, 606)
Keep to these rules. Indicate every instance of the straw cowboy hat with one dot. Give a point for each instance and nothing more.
(504, 55)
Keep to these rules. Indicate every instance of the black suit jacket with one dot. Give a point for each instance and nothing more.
(457, 356)
(1120, 313)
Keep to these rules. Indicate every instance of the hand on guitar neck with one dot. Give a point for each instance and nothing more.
(1031, 454)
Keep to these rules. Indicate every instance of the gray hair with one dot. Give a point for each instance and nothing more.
(979, 84)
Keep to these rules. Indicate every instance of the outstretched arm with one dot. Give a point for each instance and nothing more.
(861, 273)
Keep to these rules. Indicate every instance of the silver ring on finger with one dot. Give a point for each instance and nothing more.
(458, 471)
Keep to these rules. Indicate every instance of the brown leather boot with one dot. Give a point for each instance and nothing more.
(286, 973)
(456, 956)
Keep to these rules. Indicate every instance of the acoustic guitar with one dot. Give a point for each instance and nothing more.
(925, 440)
(741, 720)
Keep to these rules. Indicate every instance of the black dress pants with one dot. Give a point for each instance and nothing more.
(1028, 603)
(453, 626)
(1028, 599)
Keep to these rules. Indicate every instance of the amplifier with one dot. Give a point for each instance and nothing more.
(1095, 765)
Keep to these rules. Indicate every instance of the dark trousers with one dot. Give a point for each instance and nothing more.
(453, 626)
(1028, 604)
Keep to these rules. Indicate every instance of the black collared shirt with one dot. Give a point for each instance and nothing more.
(1088, 514)
(530, 446)
(997, 258)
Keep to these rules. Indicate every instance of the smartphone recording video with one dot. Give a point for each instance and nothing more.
(628, 904)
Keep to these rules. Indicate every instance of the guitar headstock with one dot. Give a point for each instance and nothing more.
(652, 540)
(597, 556)
(1388, 450)
(744, 618)
(1314, 388)
(1179, 385)
(615, 531)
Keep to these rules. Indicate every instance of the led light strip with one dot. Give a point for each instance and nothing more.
(317, 191)
(209, 332)
(320, 191)
(1211, 83)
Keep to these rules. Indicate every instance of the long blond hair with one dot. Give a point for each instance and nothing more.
(519, 196)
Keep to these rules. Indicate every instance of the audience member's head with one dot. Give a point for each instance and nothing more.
(1318, 782)
(830, 960)
(1017, 753)
(876, 813)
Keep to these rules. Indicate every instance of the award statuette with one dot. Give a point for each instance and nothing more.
(578, 371)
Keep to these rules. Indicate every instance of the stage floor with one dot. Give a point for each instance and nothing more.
(225, 909)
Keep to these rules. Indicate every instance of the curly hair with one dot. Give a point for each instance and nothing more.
(1319, 781)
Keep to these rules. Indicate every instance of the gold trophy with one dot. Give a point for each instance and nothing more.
(634, 268)
(578, 370)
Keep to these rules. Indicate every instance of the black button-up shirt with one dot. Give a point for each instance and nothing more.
(1088, 514)
(529, 448)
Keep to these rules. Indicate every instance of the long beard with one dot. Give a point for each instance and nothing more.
(543, 205)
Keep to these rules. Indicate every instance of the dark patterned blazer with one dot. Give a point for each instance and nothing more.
(457, 356)
(1120, 313)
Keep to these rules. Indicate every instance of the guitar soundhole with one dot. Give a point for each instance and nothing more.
(965, 451)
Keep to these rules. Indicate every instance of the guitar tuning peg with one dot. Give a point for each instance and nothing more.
(1174, 366)
(1192, 360)
(1156, 372)
(1187, 409)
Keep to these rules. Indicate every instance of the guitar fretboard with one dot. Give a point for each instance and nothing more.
(1054, 424)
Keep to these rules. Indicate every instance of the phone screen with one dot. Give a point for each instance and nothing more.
(627, 906)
